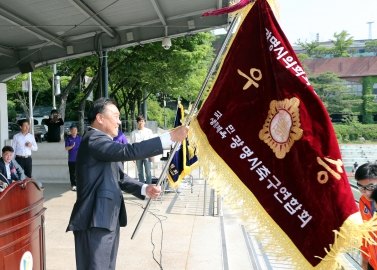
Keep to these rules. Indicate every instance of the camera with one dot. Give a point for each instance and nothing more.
(166, 43)
(55, 117)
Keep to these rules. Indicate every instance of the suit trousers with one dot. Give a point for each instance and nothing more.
(96, 248)
(72, 172)
(26, 165)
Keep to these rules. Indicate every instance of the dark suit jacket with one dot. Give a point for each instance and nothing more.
(13, 171)
(99, 179)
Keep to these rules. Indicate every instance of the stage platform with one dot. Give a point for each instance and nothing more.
(183, 238)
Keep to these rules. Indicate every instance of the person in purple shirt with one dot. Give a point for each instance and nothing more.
(121, 138)
(72, 144)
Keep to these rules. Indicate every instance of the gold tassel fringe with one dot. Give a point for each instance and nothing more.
(255, 219)
(252, 214)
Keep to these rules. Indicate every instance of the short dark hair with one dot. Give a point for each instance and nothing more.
(365, 171)
(73, 126)
(54, 111)
(98, 106)
(22, 121)
(7, 148)
(140, 117)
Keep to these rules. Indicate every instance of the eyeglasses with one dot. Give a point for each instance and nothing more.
(368, 187)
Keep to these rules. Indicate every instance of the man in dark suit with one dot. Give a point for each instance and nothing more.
(9, 170)
(99, 210)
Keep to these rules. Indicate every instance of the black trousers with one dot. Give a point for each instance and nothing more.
(96, 249)
(25, 164)
(72, 172)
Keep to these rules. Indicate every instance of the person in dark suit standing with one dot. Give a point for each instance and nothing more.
(10, 170)
(99, 211)
(54, 123)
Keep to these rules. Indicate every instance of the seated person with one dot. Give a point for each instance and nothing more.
(10, 170)
(366, 177)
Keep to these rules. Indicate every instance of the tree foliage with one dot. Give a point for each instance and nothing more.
(371, 46)
(341, 43)
(334, 94)
(309, 47)
(178, 72)
(41, 93)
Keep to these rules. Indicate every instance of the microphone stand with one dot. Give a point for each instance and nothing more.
(188, 119)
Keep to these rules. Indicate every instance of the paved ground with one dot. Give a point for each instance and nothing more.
(177, 236)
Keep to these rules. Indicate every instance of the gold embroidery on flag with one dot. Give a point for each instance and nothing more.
(282, 126)
(250, 81)
(254, 217)
(324, 174)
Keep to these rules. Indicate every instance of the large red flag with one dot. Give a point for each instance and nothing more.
(268, 145)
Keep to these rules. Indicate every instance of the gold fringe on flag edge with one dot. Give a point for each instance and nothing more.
(252, 214)
(186, 169)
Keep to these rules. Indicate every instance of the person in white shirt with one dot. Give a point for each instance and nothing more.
(138, 135)
(23, 143)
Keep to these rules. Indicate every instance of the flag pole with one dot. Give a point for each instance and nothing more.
(188, 119)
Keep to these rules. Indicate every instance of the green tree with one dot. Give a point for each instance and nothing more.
(179, 71)
(11, 111)
(309, 47)
(334, 95)
(341, 43)
(71, 72)
(369, 107)
(322, 52)
(41, 90)
(302, 57)
(371, 46)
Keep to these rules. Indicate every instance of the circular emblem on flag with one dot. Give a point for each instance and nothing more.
(26, 262)
(282, 126)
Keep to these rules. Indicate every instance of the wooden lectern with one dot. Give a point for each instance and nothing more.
(22, 240)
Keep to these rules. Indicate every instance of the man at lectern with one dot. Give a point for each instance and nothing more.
(10, 170)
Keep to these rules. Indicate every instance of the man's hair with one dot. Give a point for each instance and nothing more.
(7, 148)
(21, 122)
(365, 171)
(140, 117)
(54, 111)
(73, 126)
(98, 106)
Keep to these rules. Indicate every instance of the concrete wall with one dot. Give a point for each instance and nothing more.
(3, 115)
(50, 164)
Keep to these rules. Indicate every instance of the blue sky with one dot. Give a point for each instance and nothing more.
(303, 19)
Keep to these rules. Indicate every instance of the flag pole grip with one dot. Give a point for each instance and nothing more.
(188, 119)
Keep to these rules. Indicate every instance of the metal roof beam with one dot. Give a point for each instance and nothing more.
(88, 12)
(8, 52)
(146, 23)
(158, 10)
(6, 15)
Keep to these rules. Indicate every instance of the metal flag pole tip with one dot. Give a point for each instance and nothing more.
(178, 144)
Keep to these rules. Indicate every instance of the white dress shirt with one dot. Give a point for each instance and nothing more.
(18, 144)
(7, 169)
(139, 135)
